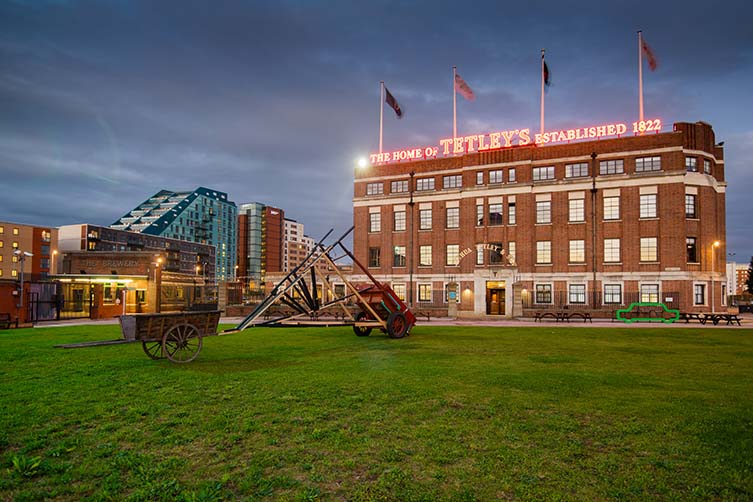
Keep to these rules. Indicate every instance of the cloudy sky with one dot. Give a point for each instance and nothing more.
(104, 103)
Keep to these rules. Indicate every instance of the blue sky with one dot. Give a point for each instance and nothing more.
(105, 103)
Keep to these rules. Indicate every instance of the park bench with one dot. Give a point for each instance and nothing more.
(562, 316)
(4, 320)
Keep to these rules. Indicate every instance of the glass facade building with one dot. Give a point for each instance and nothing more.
(204, 215)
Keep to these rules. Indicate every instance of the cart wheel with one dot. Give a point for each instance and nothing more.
(153, 349)
(397, 325)
(361, 330)
(182, 343)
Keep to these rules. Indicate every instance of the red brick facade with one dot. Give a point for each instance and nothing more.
(640, 205)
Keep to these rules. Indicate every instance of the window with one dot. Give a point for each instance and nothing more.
(690, 164)
(690, 206)
(576, 293)
(495, 176)
(374, 257)
(543, 173)
(375, 189)
(140, 296)
(455, 181)
(15, 245)
(2, 229)
(14, 273)
(424, 184)
(399, 186)
(480, 178)
(511, 252)
(453, 255)
(2, 244)
(611, 250)
(495, 214)
(577, 251)
(577, 210)
(511, 175)
(707, 166)
(424, 292)
(611, 166)
(611, 208)
(648, 205)
(15, 230)
(424, 256)
(543, 293)
(399, 221)
(375, 222)
(453, 217)
(612, 294)
(479, 215)
(699, 294)
(424, 219)
(692, 250)
(44, 263)
(479, 254)
(399, 290)
(544, 211)
(46, 236)
(650, 293)
(495, 253)
(543, 251)
(511, 215)
(643, 164)
(576, 170)
(649, 249)
(398, 258)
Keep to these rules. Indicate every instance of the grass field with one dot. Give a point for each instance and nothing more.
(447, 414)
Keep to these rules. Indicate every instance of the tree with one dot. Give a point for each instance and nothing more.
(749, 280)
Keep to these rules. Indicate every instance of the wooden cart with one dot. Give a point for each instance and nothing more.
(176, 336)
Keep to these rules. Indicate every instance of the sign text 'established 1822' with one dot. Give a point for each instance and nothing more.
(508, 139)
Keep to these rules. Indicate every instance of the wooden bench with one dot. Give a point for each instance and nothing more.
(694, 316)
(557, 316)
(4, 321)
(586, 316)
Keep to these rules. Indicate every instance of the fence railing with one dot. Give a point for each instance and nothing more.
(596, 300)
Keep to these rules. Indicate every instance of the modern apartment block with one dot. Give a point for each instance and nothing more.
(590, 218)
(179, 255)
(17, 239)
(203, 216)
(260, 242)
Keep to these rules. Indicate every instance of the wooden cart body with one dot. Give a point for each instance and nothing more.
(175, 335)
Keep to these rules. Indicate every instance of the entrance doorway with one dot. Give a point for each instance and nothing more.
(495, 298)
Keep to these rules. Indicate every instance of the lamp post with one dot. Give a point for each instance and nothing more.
(713, 246)
(21, 256)
(54, 259)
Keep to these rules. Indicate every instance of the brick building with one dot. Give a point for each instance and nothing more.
(592, 225)
(260, 243)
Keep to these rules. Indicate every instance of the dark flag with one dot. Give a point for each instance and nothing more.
(652, 63)
(391, 101)
(547, 81)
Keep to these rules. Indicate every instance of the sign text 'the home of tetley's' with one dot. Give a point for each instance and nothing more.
(507, 139)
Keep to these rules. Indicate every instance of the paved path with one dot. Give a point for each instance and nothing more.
(747, 322)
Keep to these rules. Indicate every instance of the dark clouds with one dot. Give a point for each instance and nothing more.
(104, 103)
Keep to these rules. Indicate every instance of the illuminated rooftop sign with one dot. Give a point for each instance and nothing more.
(507, 139)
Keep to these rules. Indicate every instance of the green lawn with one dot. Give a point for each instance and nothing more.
(448, 413)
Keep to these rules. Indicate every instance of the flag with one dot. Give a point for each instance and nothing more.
(547, 81)
(392, 102)
(463, 88)
(649, 56)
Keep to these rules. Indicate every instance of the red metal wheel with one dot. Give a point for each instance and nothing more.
(397, 325)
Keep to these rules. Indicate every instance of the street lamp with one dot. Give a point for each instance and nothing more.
(54, 259)
(713, 246)
(21, 256)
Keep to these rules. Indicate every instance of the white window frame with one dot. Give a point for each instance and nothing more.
(646, 241)
(418, 292)
(455, 219)
(496, 176)
(572, 213)
(376, 188)
(569, 293)
(705, 294)
(605, 283)
(421, 255)
(400, 186)
(424, 184)
(452, 181)
(582, 251)
(421, 220)
(651, 208)
(611, 250)
(542, 251)
(544, 212)
(375, 223)
(609, 210)
(455, 251)
(641, 285)
(395, 221)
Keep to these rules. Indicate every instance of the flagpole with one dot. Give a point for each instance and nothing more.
(381, 112)
(542, 91)
(454, 104)
(640, 75)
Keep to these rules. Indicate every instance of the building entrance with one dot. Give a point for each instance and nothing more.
(495, 298)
